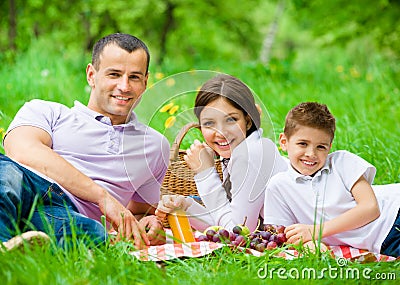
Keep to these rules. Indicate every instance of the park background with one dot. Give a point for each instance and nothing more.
(341, 53)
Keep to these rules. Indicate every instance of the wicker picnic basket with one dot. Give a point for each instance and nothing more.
(179, 178)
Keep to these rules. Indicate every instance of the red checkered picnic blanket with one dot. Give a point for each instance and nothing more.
(172, 250)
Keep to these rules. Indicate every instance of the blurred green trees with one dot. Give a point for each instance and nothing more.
(190, 30)
(341, 21)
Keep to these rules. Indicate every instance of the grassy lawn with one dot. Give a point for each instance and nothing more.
(363, 94)
(115, 266)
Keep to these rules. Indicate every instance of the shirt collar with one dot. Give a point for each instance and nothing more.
(327, 168)
(257, 134)
(254, 136)
(104, 119)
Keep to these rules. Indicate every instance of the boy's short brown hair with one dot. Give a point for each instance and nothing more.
(310, 114)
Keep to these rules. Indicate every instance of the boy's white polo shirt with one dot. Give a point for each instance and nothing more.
(294, 198)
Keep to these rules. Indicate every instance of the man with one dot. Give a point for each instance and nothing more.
(77, 164)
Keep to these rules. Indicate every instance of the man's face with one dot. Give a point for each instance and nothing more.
(307, 149)
(118, 83)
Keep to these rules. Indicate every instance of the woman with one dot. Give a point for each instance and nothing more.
(230, 124)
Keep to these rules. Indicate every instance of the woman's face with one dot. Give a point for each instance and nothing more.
(223, 126)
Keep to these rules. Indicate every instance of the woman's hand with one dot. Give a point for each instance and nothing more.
(170, 203)
(199, 157)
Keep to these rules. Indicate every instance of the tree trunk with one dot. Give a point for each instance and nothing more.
(12, 25)
(89, 40)
(269, 39)
(169, 21)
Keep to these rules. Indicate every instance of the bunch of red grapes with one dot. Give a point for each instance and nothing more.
(270, 237)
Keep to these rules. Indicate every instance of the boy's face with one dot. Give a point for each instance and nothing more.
(307, 149)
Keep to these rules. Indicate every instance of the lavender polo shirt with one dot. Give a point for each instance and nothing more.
(129, 160)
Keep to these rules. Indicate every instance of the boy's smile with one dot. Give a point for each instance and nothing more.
(307, 149)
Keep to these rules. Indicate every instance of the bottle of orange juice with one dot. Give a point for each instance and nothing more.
(180, 226)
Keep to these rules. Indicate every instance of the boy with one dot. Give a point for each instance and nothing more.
(328, 194)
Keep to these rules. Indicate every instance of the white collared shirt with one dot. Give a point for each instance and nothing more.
(294, 198)
(253, 162)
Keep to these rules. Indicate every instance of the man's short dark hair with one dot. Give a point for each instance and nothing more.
(125, 41)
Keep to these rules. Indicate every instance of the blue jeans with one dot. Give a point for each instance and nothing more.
(391, 244)
(29, 202)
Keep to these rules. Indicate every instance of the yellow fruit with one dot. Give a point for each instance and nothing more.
(241, 230)
(245, 230)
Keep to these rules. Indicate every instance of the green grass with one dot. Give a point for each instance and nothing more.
(114, 265)
(362, 92)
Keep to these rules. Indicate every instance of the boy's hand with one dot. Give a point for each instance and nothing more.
(297, 233)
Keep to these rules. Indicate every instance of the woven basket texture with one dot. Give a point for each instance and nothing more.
(179, 178)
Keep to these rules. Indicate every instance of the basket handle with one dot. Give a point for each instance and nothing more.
(174, 152)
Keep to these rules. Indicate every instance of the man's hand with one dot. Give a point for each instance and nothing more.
(154, 229)
(123, 221)
(32, 146)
